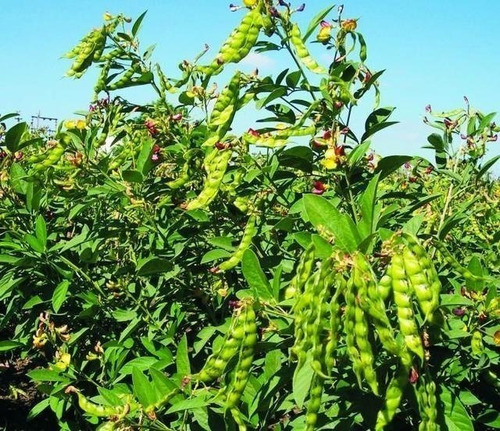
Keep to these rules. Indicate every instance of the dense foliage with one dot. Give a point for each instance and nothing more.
(160, 271)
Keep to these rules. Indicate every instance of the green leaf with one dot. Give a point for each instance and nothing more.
(182, 358)
(200, 401)
(455, 415)
(224, 242)
(313, 25)
(34, 243)
(367, 207)
(17, 178)
(137, 23)
(143, 389)
(357, 153)
(38, 408)
(142, 363)
(275, 94)
(377, 120)
(59, 295)
(133, 176)
(485, 168)
(212, 255)
(47, 376)
(322, 247)
(162, 384)
(323, 215)
(153, 265)
(30, 303)
(7, 116)
(299, 157)
(476, 268)
(491, 418)
(14, 135)
(41, 230)
(486, 121)
(7, 345)
(439, 146)
(144, 162)
(302, 382)
(124, 315)
(362, 48)
(387, 165)
(255, 277)
(293, 78)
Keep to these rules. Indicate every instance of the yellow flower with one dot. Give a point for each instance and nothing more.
(496, 338)
(63, 362)
(330, 163)
(70, 124)
(324, 34)
(331, 160)
(81, 124)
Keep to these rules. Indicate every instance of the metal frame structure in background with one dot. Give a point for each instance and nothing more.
(45, 125)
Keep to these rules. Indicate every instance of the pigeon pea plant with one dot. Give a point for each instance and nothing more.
(161, 270)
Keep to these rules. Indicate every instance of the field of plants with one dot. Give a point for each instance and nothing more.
(159, 271)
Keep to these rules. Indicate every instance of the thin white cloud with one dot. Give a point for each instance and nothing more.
(258, 60)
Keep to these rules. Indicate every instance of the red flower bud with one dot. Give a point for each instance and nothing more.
(459, 311)
(253, 132)
(413, 377)
(319, 188)
(339, 150)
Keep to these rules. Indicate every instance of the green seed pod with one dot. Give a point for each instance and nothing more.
(350, 331)
(302, 273)
(402, 297)
(185, 174)
(97, 409)
(450, 259)
(100, 44)
(241, 337)
(241, 203)
(427, 404)
(335, 323)
(420, 284)
(317, 317)
(384, 286)
(101, 81)
(224, 108)
(238, 45)
(215, 170)
(393, 397)
(373, 304)
(124, 80)
(279, 138)
(246, 241)
(314, 403)
(361, 328)
(241, 373)
(303, 53)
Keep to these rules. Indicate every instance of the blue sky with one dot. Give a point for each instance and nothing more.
(434, 52)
